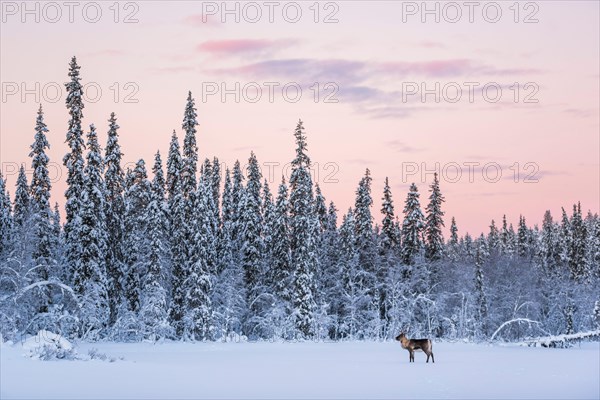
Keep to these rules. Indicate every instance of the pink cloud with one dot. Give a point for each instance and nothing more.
(236, 46)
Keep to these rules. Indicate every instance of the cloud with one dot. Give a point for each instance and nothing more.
(243, 46)
(372, 87)
(300, 70)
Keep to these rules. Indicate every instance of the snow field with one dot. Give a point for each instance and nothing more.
(305, 370)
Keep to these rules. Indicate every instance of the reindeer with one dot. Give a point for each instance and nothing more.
(416, 344)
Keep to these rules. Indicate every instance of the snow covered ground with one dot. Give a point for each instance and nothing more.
(305, 370)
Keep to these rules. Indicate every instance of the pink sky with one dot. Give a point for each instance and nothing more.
(371, 56)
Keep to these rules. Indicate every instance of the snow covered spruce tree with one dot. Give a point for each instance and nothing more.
(190, 148)
(389, 247)
(331, 277)
(434, 239)
(493, 240)
(41, 213)
(153, 298)
(280, 271)
(412, 227)
(229, 298)
(303, 241)
(237, 199)
(138, 192)
(480, 296)
(22, 215)
(453, 250)
(252, 253)
(577, 263)
(5, 220)
(90, 272)
(215, 184)
(198, 314)
(177, 235)
(187, 218)
(115, 217)
(75, 164)
(367, 280)
(523, 238)
(390, 238)
(267, 210)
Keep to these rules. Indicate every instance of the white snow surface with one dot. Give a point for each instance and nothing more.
(305, 370)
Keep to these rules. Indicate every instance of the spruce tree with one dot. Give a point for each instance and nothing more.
(453, 247)
(434, 244)
(281, 272)
(40, 198)
(5, 217)
(229, 295)
(237, 198)
(115, 217)
(56, 240)
(174, 168)
(216, 184)
(198, 285)
(522, 238)
(331, 276)
(493, 238)
(40, 209)
(508, 239)
(22, 214)
(176, 227)
(565, 239)
(190, 149)
(137, 198)
(153, 307)
(90, 279)
(480, 296)
(75, 165)
(367, 280)
(320, 208)
(577, 250)
(302, 245)
(412, 227)
(453, 233)
(351, 315)
(389, 234)
(269, 221)
(252, 244)
(226, 201)
(549, 249)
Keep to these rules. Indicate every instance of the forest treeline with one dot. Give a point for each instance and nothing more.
(187, 251)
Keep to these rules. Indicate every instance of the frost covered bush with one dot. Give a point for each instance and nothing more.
(49, 346)
(94, 354)
(53, 352)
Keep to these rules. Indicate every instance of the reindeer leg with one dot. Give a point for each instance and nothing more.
(427, 358)
(432, 359)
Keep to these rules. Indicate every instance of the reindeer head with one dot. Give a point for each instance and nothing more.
(401, 336)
